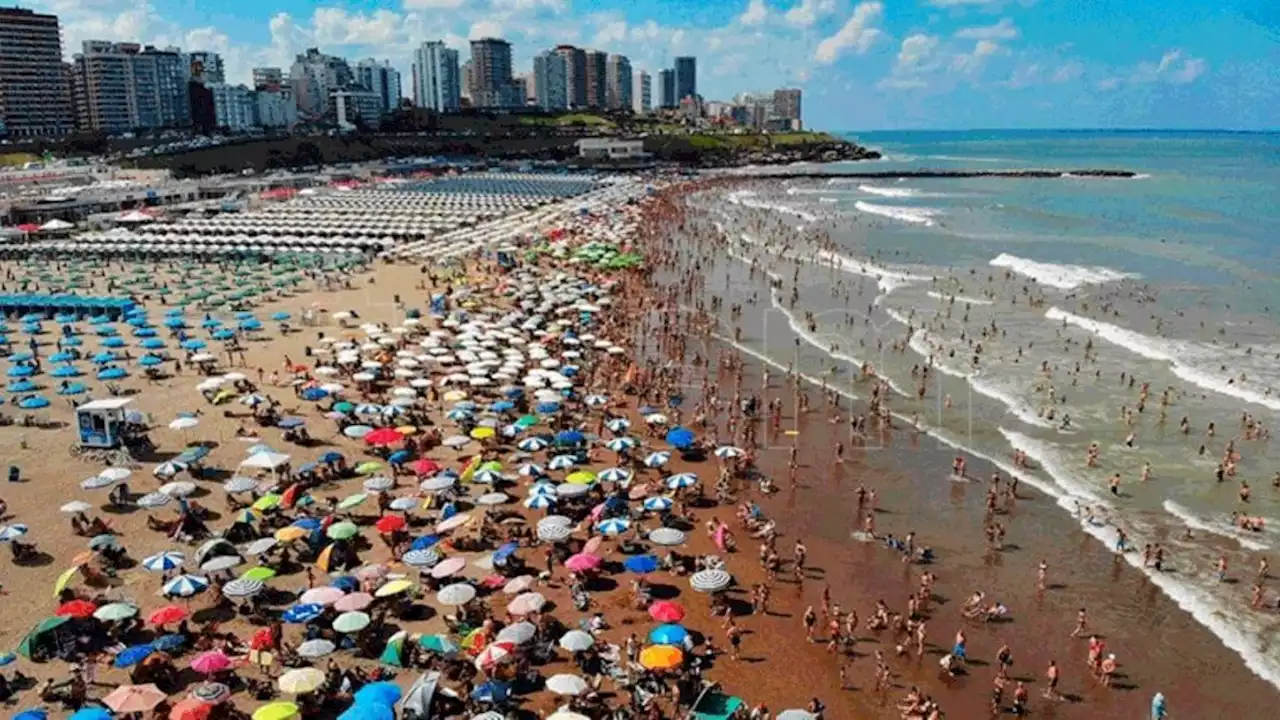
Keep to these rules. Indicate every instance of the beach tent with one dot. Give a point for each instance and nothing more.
(44, 639)
(715, 705)
(55, 225)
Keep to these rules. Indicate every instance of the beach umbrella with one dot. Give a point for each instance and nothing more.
(133, 655)
(79, 609)
(243, 587)
(566, 684)
(325, 595)
(456, 594)
(344, 530)
(351, 622)
(154, 500)
(354, 601)
(613, 526)
(567, 715)
(448, 566)
(301, 680)
(658, 504)
(668, 634)
(796, 714)
(35, 402)
(12, 532)
(539, 501)
(420, 558)
(302, 613)
(76, 506)
(495, 654)
(167, 615)
(657, 459)
(113, 612)
(404, 503)
(277, 711)
(527, 603)
(439, 643)
(614, 475)
(666, 611)
(577, 641)
(682, 480)
(186, 586)
(164, 561)
(531, 470)
(492, 691)
(618, 425)
(621, 444)
(710, 580)
(729, 451)
(221, 563)
(666, 536)
(562, 462)
(389, 523)
(127, 699)
(518, 633)
(317, 648)
(641, 564)
(381, 693)
(661, 657)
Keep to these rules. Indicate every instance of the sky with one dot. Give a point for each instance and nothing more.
(875, 64)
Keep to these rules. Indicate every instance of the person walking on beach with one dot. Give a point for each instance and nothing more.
(1081, 621)
(810, 619)
(1051, 675)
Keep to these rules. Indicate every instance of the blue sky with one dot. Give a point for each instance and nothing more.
(893, 64)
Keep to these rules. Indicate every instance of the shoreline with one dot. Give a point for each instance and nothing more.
(1089, 559)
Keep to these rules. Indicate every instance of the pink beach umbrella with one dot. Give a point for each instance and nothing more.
(583, 562)
(448, 566)
(210, 662)
(325, 595)
(496, 653)
(353, 602)
(593, 546)
(527, 603)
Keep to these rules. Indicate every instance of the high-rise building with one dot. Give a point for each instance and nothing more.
(492, 81)
(686, 77)
(235, 106)
(315, 76)
(551, 80)
(437, 83)
(121, 87)
(382, 79)
(642, 103)
(268, 78)
(597, 76)
(786, 105)
(575, 75)
(209, 65)
(277, 108)
(666, 88)
(468, 81)
(34, 97)
(618, 83)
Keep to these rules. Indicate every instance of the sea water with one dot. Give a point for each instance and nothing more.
(1171, 278)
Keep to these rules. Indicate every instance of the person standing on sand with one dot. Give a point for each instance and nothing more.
(810, 619)
(1081, 620)
(1052, 676)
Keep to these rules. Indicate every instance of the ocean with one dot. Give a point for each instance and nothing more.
(1042, 308)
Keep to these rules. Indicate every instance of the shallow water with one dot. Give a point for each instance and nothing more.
(1169, 279)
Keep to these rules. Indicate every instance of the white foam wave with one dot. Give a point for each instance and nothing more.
(1220, 529)
(887, 280)
(1179, 355)
(914, 215)
(889, 192)
(828, 200)
(1018, 407)
(744, 198)
(959, 299)
(1063, 277)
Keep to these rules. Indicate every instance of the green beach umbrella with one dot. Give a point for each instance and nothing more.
(342, 531)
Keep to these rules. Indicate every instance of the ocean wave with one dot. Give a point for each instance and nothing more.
(1063, 277)
(743, 197)
(966, 158)
(886, 280)
(914, 215)
(889, 192)
(1180, 356)
(1015, 405)
(1221, 529)
(959, 299)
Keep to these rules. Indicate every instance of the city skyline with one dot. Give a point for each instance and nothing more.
(912, 64)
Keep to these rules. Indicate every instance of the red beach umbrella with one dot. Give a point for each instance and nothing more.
(389, 524)
(383, 436)
(29, 227)
(166, 615)
(665, 611)
(190, 709)
(426, 466)
(77, 609)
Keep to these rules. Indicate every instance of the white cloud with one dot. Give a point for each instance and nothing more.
(1174, 68)
(1024, 76)
(809, 12)
(334, 26)
(1003, 30)
(857, 33)
(972, 62)
(915, 51)
(484, 28)
(433, 4)
(756, 13)
(1068, 71)
(965, 3)
(1111, 83)
(612, 33)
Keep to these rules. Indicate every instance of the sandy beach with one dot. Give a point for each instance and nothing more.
(666, 322)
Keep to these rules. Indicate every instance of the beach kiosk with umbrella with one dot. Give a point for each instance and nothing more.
(103, 431)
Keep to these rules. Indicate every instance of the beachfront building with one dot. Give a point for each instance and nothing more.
(35, 100)
(575, 75)
(786, 107)
(618, 83)
(123, 87)
(610, 149)
(642, 99)
(277, 108)
(234, 106)
(492, 83)
(315, 77)
(685, 78)
(209, 66)
(597, 69)
(382, 79)
(437, 80)
(666, 88)
(550, 81)
(268, 78)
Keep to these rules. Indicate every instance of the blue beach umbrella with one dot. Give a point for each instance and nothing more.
(152, 344)
(194, 344)
(144, 332)
(281, 317)
(113, 373)
(62, 357)
(20, 371)
(175, 323)
(669, 634)
(99, 320)
(32, 329)
(150, 361)
(167, 643)
(23, 386)
(113, 342)
(289, 422)
(73, 389)
(680, 438)
(211, 323)
(35, 402)
(368, 711)
(104, 357)
(21, 357)
(71, 342)
(302, 613)
(32, 714)
(383, 693)
(91, 713)
(641, 564)
(250, 324)
(223, 334)
(131, 656)
(106, 331)
(314, 394)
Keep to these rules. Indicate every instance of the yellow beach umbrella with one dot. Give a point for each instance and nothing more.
(407, 429)
(322, 562)
(266, 502)
(454, 396)
(582, 477)
(276, 711)
(395, 587)
(483, 433)
(290, 533)
(661, 657)
(301, 680)
(61, 583)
